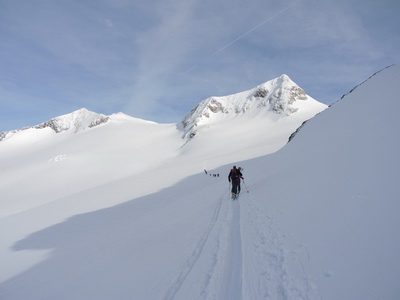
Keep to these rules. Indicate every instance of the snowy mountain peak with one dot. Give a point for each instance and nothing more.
(281, 93)
(76, 121)
(277, 98)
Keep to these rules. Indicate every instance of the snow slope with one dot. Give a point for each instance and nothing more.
(50, 166)
(83, 149)
(315, 220)
(331, 201)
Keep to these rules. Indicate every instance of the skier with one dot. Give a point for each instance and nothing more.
(234, 176)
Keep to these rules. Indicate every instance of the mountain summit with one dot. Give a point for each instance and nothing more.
(75, 121)
(274, 99)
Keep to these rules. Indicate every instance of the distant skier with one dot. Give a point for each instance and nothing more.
(234, 177)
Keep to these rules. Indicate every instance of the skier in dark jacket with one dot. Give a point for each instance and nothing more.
(234, 176)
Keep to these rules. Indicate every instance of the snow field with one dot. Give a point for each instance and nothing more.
(320, 220)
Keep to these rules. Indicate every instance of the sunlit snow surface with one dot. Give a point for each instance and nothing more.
(125, 211)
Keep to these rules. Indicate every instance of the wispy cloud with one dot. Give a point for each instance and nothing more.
(156, 59)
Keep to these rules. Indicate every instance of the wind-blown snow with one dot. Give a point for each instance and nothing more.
(316, 220)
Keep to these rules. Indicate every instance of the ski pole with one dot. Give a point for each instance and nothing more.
(245, 185)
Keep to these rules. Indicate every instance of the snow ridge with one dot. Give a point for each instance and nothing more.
(76, 121)
(343, 96)
(280, 97)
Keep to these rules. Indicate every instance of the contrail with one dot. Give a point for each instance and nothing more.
(242, 36)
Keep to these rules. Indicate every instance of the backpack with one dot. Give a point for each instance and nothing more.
(234, 174)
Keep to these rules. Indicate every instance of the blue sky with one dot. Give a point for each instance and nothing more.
(156, 59)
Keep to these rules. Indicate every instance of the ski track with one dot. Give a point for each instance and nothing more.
(242, 255)
(235, 264)
(214, 268)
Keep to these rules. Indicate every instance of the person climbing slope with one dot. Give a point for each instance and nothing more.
(234, 177)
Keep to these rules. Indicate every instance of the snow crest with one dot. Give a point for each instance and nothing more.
(76, 121)
(280, 97)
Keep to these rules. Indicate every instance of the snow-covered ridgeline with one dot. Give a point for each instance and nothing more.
(275, 100)
(280, 96)
(76, 121)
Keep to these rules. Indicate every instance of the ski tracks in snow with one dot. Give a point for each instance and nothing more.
(242, 256)
(214, 269)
